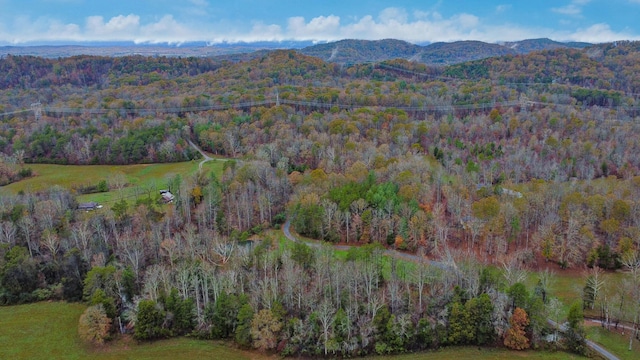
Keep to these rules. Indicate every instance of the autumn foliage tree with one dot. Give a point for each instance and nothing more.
(265, 327)
(94, 325)
(516, 338)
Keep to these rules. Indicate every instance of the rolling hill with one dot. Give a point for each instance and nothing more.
(441, 53)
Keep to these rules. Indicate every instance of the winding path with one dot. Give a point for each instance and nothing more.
(593, 346)
(611, 324)
(204, 155)
(602, 351)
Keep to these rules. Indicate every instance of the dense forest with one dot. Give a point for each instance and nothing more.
(488, 168)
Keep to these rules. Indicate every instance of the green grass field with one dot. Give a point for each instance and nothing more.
(615, 342)
(141, 175)
(476, 353)
(48, 330)
(568, 287)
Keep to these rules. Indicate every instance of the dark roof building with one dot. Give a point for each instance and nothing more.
(88, 206)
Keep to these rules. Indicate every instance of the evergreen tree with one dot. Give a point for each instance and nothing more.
(575, 334)
(243, 330)
(461, 330)
(149, 321)
(480, 311)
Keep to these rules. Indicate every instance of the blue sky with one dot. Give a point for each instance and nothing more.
(215, 21)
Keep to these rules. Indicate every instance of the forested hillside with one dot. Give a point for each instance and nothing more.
(490, 168)
(436, 54)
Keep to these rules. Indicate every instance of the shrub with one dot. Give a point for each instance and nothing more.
(102, 186)
(94, 325)
(149, 321)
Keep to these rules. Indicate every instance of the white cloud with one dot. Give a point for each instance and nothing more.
(393, 15)
(117, 27)
(167, 29)
(572, 9)
(25, 29)
(600, 33)
(262, 32)
(502, 8)
(390, 23)
(197, 8)
(316, 29)
(417, 27)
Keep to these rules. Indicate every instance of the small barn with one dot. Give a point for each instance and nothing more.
(167, 196)
(89, 206)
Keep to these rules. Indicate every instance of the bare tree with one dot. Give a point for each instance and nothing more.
(631, 262)
(595, 282)
(422, 274)
(28, 228)
(222, 247)
(512, 271)
(546, 278)
(8, 233)
(131, 249)
(82, 235)
(554, 307)
(326, 313)
(440, 226)
(51, 242)
(117, 181)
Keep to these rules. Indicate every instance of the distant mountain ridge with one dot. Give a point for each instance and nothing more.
(342, 52)
(358, 51)
(440, 53)
(529, 45)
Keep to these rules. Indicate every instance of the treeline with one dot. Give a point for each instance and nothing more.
(604, 66)
(12, 168)
(301, 301)
(143, 142)
(28, 72)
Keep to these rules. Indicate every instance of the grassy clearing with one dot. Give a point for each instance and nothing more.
(615, 342)
(568, 286)
(476, 353)
(402, 265)
(48, 330)
(141, 175)
(44, 330)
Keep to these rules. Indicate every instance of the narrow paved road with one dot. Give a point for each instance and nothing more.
(595, 347)
(602, 351)
(204, 155)
(611, 324)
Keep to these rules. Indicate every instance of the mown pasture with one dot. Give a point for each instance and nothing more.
(134, 178)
